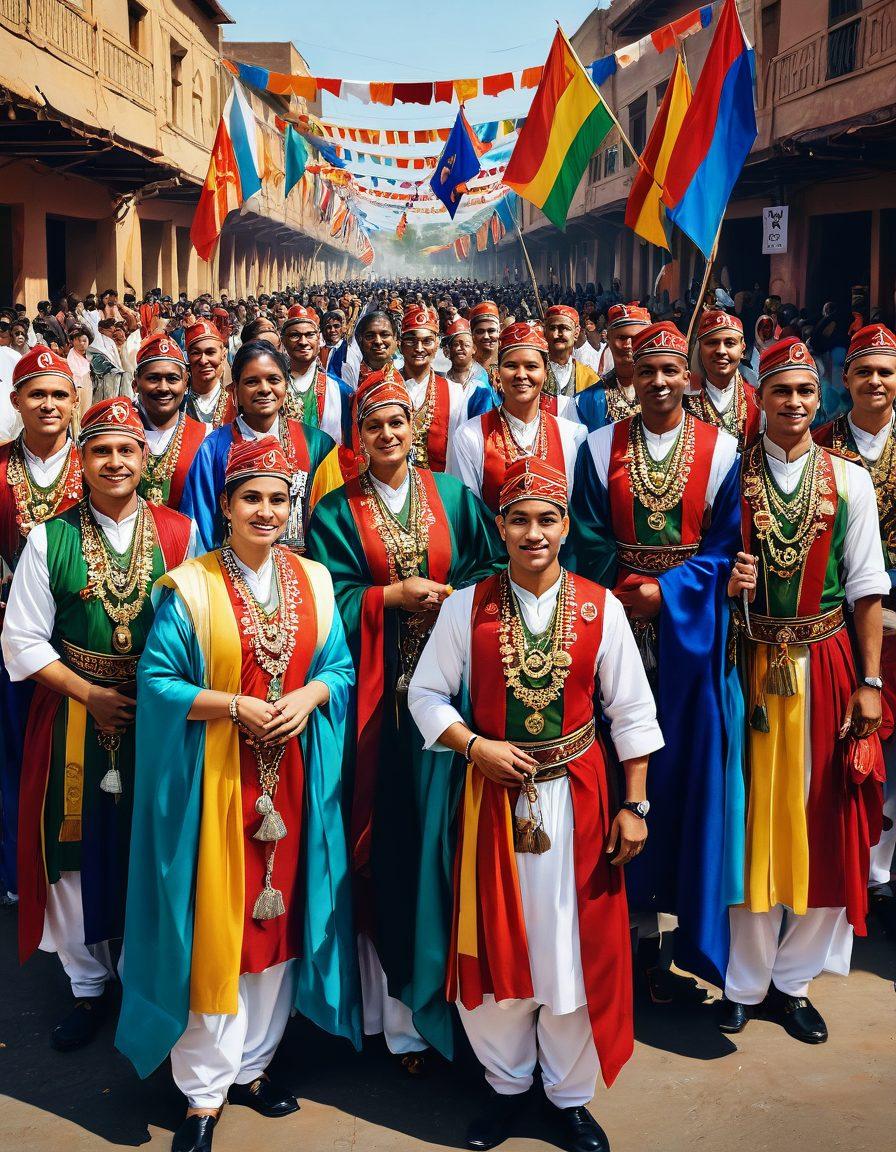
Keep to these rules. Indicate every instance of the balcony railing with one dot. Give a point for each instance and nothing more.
(127, 70)
(64, 28)
(858, 44)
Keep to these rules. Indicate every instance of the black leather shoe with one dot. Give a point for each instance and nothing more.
(581, 1132)
(796, 1015)
(492, 1127)
(80, 1026)
(733, 1017)
(264, 1097)
(195, 1134)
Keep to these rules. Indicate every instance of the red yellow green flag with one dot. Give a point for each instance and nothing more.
(565, 125)
(645, 212)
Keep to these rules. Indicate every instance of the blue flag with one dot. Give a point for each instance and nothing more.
(296, 158)
(458, 164)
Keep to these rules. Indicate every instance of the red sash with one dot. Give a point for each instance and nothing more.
(11, 540)
(437, 432)
(501, 966)
(194, 435)
(495, 462)
(173, 532)
(372, 662)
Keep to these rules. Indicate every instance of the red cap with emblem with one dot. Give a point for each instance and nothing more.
(659, 339)
(621, 314)
(716, 322)
(456, 328)
(562, 310)
(261, 457)
(526, 334)
(202, 330)
(784, 356)
(419, 319)
(872, 340)
(161, 346)
(484, 310)
(40, 361)
(532, 479)
(115, 416)
(379, 390)
(298, 312)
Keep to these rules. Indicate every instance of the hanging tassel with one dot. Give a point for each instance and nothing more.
(70, 832)
(645, 638)
(269, 904)
(529, 836)
(272, 826)
(780, 680)
(111, 782)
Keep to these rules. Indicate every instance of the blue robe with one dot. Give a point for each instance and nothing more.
(693, 865)
(165, 844)
(592, 406)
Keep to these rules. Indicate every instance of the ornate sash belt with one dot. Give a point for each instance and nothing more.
(101, 667)
(648, 559)
(786, 630)
(552, 755)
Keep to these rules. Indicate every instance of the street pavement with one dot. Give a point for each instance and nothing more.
(688, 1088)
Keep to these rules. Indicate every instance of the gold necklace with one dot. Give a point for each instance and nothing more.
(421, 422)
(659, 487)
(733, 419)
(618, 405)
(545, 656)
(110, 582)
(158, 470)
(35, 504)
(513, 450)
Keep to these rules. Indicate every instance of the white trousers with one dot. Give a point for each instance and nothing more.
(88, 967)
(216, 1051)
(882, 852)
(382, 1012)
(778, 947)
(510, 1038)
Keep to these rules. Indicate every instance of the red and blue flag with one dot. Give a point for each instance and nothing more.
(715, 137)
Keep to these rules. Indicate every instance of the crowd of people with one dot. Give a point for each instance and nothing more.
(399, 652)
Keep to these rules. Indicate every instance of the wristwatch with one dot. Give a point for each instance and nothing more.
(874, 682)
(639, 807)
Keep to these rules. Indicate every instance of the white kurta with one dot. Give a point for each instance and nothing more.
(331, 420)
(457, 402)
(466, 459)
(206, 403)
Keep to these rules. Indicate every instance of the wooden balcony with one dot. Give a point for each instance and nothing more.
(127, 70)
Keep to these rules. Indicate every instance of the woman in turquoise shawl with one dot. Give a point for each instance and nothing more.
(238, 907)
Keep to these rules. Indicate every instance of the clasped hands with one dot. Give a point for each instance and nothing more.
(276, 721)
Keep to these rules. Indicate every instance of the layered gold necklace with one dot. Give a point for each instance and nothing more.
(421, 422)
(659, 486)
(733, 419)
(883, 476)
(513, 450)
(619, 407)
(406, 546)
(158, 470)
(122, 589)
(35, 504)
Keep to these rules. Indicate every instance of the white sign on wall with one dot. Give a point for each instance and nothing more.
(774, 230)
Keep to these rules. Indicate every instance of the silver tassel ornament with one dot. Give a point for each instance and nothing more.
(272, 827)
(111, 782)
(269, 904)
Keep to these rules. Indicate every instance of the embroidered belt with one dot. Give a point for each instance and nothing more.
(650, 558)
(552, 755)
(789, 629)
(103, 667)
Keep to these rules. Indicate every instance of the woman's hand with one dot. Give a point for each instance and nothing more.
(743, 577)
(254, 714)
(111, 710)
(291, 713)
(501, 761)
(421, 595)
(629, 832)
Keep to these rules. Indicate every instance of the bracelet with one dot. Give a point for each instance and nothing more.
(469, 747)
(234, 715)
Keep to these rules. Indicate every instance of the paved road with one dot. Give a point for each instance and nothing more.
(687, 1089)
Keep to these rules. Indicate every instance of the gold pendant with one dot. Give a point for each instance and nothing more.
(562, 659)
(154, 495)
(656, 479)
(657, 521)
(40, 511)
(121, 639)
(535, 664)
(535, 724)
(762, 520)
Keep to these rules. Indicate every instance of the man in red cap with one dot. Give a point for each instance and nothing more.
(172, 437)
(568, 373)
(865, 435)
(527, 929)
(209, 399)
(485, 326)
(656, 518)
(470, 376)
(811, 550)
(315, 397)
(614, 398)
(439, 405)
(522, 427)
(723, 397)
(78, 614)
(40, 476)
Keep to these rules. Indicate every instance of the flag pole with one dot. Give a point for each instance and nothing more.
(538, 303)
(707, 272)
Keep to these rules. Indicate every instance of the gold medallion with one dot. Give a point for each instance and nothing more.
(535, 664)
(588, 612)
(121, 639)
(762, 520)
(657, 521)
(535, 724)
(562, 659)
(154, 495)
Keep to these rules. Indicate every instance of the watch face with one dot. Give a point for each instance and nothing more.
(644, 807)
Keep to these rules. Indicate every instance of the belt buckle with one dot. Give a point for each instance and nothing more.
(785, 635)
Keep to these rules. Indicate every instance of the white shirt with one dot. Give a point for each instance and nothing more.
(158, 439)
(721, 399)
(863, 558)
(393, 498)
(457, 401)
(586, 354)
(261, 584)
(10, 420)
(563, 374)
(46, 472)
(206, 403)
(870, 445)
(331, 420)
(31, 609)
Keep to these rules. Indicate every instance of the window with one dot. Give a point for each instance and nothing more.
(136, 16)
(594, 165)
(198, 86)
(842, 40)
(611, 160)
(177, 83)
(637, 125)
(839, 9)
(661, 92)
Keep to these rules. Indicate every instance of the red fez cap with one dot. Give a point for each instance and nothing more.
(532, 479)
(419, 319)
(379, 390)
(298, 312)
(261, 457)
(484, 310)
(562, 310)
(202, 330)
(715, 321)
(657, 339)
(785, 355)
(872, 340)
(40, 361)
(160, 346)
(115, 416)
(525, 334)
(621, 314)
(456, 328)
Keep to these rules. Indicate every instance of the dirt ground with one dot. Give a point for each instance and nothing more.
(688, 1088)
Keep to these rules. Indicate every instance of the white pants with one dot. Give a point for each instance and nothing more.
(510, 1038)
(882, 852)
(88, 967)
(216, 1051)
(382, 1012)
(778, 947)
